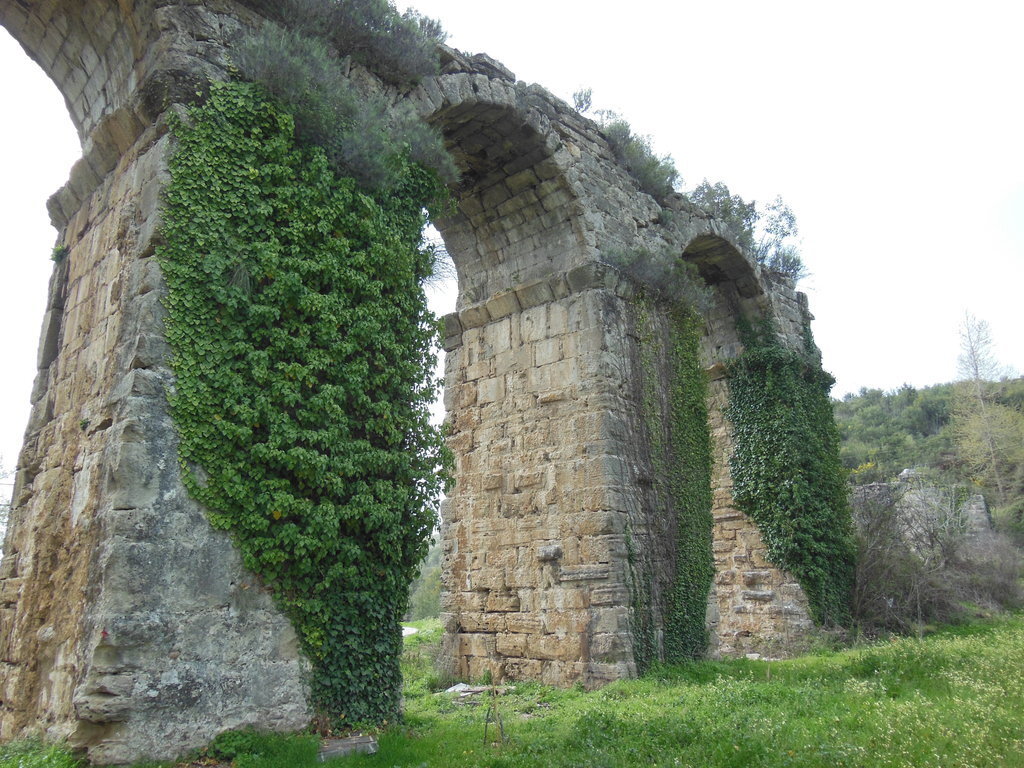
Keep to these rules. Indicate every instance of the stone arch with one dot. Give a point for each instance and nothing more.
(736, 289)
(88, 49)
(543, 414)
(720, 260)
(528, 534)
(515, 217)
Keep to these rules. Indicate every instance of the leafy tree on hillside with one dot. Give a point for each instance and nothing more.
(883, 433)
(971, 431)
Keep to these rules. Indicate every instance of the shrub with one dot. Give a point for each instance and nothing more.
(664, 275)
(657, 176)
(362, 137)
(400, 48)
(920, 560)
(583, 100)
(1009, 520)
(765, 233)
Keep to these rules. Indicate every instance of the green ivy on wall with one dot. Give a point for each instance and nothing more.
(689, 482)
(674, 407)
(302, 350)
(786, 470)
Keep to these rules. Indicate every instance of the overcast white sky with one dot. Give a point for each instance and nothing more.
(895, 131)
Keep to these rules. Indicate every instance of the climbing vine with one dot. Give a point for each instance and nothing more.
(786, 470)
(674, 407)
(689, 483)
(302, 351)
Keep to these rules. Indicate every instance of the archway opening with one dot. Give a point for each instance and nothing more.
(513, 218)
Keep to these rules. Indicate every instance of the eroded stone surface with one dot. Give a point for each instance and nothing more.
(127, 625)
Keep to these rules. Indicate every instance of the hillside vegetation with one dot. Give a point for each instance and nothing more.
(883, 433)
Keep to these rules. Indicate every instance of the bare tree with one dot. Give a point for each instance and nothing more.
(990, 435)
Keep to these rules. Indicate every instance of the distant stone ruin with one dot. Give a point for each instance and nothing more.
(130, 627)
(924, 510)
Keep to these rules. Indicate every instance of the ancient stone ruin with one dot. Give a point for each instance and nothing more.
(129, 626)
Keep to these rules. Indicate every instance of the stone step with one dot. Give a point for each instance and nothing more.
(353, 745)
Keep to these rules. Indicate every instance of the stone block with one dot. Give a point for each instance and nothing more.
(474, 316)
(523, 669)
(503, 304)
(490, 390)
(476, 644)
(753, 578)
(523, 180)
(603, 549)
(529, 479)
(549, 552)
(488, 578)
(530, 575)
(608, 647)
(478, 370)
(508, 644)
(547, 351)
(609, 620)
(596, 523)
(503, 602)
(560, 622)
(524, 623)
(472, 600)
(482, 622)
(494, 196)
(534, 294)
(611, 595)
(452, 325)
(555, 647)
(570, 573)
(553, 396)
(533, 324)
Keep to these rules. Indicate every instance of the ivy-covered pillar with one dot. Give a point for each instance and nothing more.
(782, 531)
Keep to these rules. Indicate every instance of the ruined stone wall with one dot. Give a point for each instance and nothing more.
(551, 474)
(129, 626)
(543, 411)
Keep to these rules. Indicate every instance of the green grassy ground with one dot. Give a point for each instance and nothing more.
(955, 698)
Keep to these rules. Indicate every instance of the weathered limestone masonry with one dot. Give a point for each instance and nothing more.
(543, 416)
(127, 625)
(754, 607)
(130, 627)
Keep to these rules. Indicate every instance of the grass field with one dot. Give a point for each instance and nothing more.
(955, 698)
